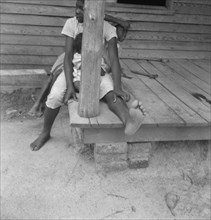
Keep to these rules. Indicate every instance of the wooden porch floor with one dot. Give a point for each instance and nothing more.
(168, 99)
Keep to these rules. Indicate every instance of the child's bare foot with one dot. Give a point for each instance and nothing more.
(35, 111)
(40, 141)
(137, 114)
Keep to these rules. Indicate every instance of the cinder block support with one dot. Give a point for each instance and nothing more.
(139, 155)
(111, 157)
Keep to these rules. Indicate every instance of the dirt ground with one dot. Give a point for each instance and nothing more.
(57, 183)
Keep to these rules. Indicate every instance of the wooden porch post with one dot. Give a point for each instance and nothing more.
(91, 58)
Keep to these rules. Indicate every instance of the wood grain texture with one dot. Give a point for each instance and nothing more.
(91, 58)
(190, 117)
(197, 71)
(147, 134)
(186, 74)
(182, 94)
(156, 32)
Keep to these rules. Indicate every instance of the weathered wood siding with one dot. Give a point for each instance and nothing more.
(30, 31)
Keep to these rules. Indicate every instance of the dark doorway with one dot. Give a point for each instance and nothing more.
(144, 2)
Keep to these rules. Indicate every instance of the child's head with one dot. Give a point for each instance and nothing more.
(121, 32)
(78, 43)
(79, 12)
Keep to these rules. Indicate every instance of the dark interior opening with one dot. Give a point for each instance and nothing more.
(144, 2)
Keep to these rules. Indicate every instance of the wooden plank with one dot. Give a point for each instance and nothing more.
(197, 71)
(26, 66)
(204, 64)
(26, 72)
(8, 8)
(106, 118)
(119, 9)
(27, 9)
(165, 45)
(189, 76)
(147, 134)
(143, 25)
(23, 7)
(92, 58)
(34, 20)
(134, 54)
(43, 2)
(75, 119)
(199, 8)
(177, 18)
(30, 30)
(179, 92)
(158, 111)
(180, 80)
(168, 36)
(26, 60)
(189, 116)
(192, 9)
(162, 54)
(31, 50)
(32, 40)
(169, 27)
(203, 2)
(72, 3)
(30, 78)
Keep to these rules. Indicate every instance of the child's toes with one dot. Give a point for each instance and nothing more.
(141, 107)
(135, 104)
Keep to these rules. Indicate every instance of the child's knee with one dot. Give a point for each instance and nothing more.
(111, 98)
(55, 99)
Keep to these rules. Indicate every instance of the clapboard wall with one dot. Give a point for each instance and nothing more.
(30, 31)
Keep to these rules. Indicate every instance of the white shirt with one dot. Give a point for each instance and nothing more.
(72, 28)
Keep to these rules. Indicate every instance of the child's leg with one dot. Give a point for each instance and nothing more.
(36, 108)
(49, 118)
(131, 117)
(53, 104)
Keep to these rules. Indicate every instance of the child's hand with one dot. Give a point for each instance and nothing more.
(70, 93)
(119, 93)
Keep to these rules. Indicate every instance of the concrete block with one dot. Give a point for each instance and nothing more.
(138, 155)
(136, 163)
(144, 148)
(111, 148)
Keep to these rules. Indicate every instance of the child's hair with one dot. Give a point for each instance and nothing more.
(78, 43)
(121, 32)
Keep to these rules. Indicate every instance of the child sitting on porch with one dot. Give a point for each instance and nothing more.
(131, 118)
(64, 89)
(39, 105)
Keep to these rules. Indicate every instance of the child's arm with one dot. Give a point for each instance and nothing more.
(121, 25)
(68, 69)
(116, 69)
(125, 24)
